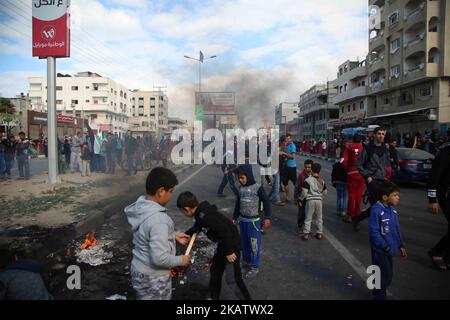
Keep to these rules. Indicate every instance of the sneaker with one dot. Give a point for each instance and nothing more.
(305, 237)
(299, 232)
(252, 273)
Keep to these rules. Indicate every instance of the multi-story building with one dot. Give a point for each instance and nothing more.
(351, 87)
(22, 105)
(284, 113)
(105, 103)
(316, 109)
(176, 123)
(409, 65)
(150, 112)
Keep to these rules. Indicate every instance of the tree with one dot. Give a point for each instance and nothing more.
(6, 106)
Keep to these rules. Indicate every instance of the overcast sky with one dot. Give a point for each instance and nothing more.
(282, 46)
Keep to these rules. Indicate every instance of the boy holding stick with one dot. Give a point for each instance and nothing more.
(221, 230)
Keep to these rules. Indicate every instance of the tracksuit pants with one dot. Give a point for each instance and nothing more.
(355, 187)
(313, 208)
(385, 263)
(251, 242)
(233, 276)
(24, 166)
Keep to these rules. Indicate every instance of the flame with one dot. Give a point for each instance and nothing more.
(89, 241)
(177, 272)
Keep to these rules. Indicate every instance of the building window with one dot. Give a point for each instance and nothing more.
(87, 101)
(361, 105)
(93, 116)
(342, 110)
(121, 93)
(348, 108)
(125, 95)
(354, 107)
(59, 101)
(386, 100)
(111, 103)
(95, 87)
(95, 101)
(393, 18)
(74, 101)
(112, 90)
(74, 88)
(395, 45)
(58, 88)
(141, 102)
(426, 92)
(395, 71)
(87, 87)
(345, 87)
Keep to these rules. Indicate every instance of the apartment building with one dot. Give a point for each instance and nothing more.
(284, 113)
(150, 112)
(175, 123)
(409, 64)
(105, 103)
(352, 99)
(316, 109)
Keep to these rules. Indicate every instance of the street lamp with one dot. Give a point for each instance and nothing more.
(200, 61)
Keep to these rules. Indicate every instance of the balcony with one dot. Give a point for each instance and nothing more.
(378, 40)
(377, 86)
(414, 73)
(414, 15)
(354, 93)
(414, 45)
(432, 70)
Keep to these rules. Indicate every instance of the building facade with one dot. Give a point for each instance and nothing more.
(316, 109)
(352, 99)
(176, 123)
(284, 113)
(150, 112)
(105, 103)
(409, 65)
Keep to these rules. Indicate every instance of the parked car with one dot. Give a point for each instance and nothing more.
(415, 165)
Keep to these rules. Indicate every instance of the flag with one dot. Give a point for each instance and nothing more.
(201, 56)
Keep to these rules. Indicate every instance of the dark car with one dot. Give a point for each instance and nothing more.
(415, 165)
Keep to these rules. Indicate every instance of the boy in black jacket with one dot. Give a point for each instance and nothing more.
(220, 229)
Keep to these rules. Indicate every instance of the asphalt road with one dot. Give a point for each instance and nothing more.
(292, 269)
(333, 268)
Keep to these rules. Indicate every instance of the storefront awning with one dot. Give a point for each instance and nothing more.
(398, 113)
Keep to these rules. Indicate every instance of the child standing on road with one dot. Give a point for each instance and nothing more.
(339, 181)
(384, 235)
(313, 191)
(220, 229)
(306, 173)
(85, 160)
(247, 212)
(154, 238)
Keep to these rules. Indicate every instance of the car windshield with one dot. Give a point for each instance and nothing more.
(414, 154)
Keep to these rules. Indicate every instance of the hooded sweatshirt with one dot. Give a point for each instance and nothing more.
(250, 197)
(154, 246)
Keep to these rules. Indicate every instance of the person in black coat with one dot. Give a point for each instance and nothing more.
(219, 229)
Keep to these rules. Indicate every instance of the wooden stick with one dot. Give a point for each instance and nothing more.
(191, 244)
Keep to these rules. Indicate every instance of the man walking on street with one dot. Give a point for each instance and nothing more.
(374, 165)
(10, 151)
(22, 152)
(111, 148)
(439, 195)
(130, 151)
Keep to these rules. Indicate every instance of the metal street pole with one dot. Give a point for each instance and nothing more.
(51, 122)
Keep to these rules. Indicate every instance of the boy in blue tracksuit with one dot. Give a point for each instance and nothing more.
(384, 235)
(247, 211)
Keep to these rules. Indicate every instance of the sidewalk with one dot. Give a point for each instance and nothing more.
(36, 216)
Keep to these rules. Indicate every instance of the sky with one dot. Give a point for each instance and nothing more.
(267, 51)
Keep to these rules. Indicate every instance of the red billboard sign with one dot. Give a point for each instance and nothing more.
(63, 118)
(51, 28)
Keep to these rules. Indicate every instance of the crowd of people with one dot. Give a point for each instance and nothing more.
(91, 152)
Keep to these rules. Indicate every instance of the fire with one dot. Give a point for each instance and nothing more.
(177, 272)
(89, 241)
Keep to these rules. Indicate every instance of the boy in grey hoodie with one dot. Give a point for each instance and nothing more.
(314, 188)
(154, 248)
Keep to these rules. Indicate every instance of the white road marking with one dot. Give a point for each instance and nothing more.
(191, 176)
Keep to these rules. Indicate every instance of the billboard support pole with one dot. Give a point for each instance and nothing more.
(51, 122)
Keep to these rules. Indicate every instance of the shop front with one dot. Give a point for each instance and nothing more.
(65, 125)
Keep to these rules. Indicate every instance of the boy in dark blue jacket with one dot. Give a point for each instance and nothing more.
(247, 211)
(384, 235)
